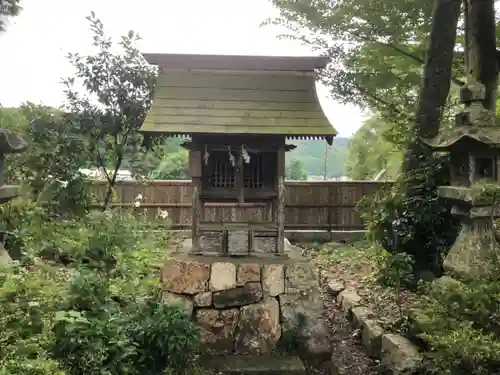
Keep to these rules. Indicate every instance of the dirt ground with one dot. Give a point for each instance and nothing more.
(347, 355)
(354, 265)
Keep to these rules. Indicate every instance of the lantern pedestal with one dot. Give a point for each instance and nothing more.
(475, 252)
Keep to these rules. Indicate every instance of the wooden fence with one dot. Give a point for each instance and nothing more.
(315, 205)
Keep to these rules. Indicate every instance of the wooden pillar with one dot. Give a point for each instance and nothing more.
(195, 169)
(280, 202)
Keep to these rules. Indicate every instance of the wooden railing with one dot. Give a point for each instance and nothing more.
(311, 205)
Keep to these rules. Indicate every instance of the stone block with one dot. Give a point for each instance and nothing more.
(259, 328)
(302, 317)
(203, 299)
(183, 302)
(222, 276)
(248, 273)
(217, 329)
(358, 314)
(371, 337)
(399, 355)
(255, 365)
(273, 279)
(317, 344)
(300, 278)
(239, 296)
(185, 276)
(347, 300)
(335, 287)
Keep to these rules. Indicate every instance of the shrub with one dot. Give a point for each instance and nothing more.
(460, 324)
(164, 337)
(17, 218)
(98, 334)
(98, 312)
(28, 297)
(410, 218)
(394, 270)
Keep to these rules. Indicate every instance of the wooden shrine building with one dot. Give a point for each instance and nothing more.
(238, 112)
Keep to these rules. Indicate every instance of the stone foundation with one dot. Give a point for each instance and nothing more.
(249, 305)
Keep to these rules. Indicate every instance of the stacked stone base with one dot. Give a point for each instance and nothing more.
(255, 365)
(251, 305)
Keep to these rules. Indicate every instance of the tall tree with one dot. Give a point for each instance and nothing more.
(482, 61)
(118, 89)
(295, 171)
(174, 164)
(436, 77)
(370, 151)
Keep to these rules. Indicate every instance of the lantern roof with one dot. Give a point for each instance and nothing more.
(465, 134)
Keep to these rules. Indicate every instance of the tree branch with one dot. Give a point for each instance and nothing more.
(402, 52)
(390, 106)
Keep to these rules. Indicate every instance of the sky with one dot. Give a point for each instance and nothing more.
(38, 41)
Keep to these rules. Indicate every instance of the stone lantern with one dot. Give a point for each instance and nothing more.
(9, 143)
(474, 148)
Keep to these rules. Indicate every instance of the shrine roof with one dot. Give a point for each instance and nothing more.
(244, 95)
(487, 135)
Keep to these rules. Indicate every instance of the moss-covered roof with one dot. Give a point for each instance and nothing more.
(197, 94)
(487, 135)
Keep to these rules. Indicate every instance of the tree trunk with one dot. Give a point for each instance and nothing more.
(436, 78)
(481, 48)
(112, 182)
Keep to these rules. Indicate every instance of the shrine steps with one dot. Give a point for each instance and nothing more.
(256, 365)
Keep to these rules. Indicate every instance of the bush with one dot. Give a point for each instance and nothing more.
(460, 324)
(394, 270)
(98, 312)
(410, 218)
(27, 300)
(163, 336)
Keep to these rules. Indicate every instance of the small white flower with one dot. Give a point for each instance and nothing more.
(139, 197)
(33, 304)
(163, 214)
(244, 154)
(137, 203)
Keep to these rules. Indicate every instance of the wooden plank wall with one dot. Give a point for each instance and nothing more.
(311, 205)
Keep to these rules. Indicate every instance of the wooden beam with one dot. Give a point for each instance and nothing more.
(280, 203)
(236, 62)
(216, 227)
(238, 121)
(231, 113)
